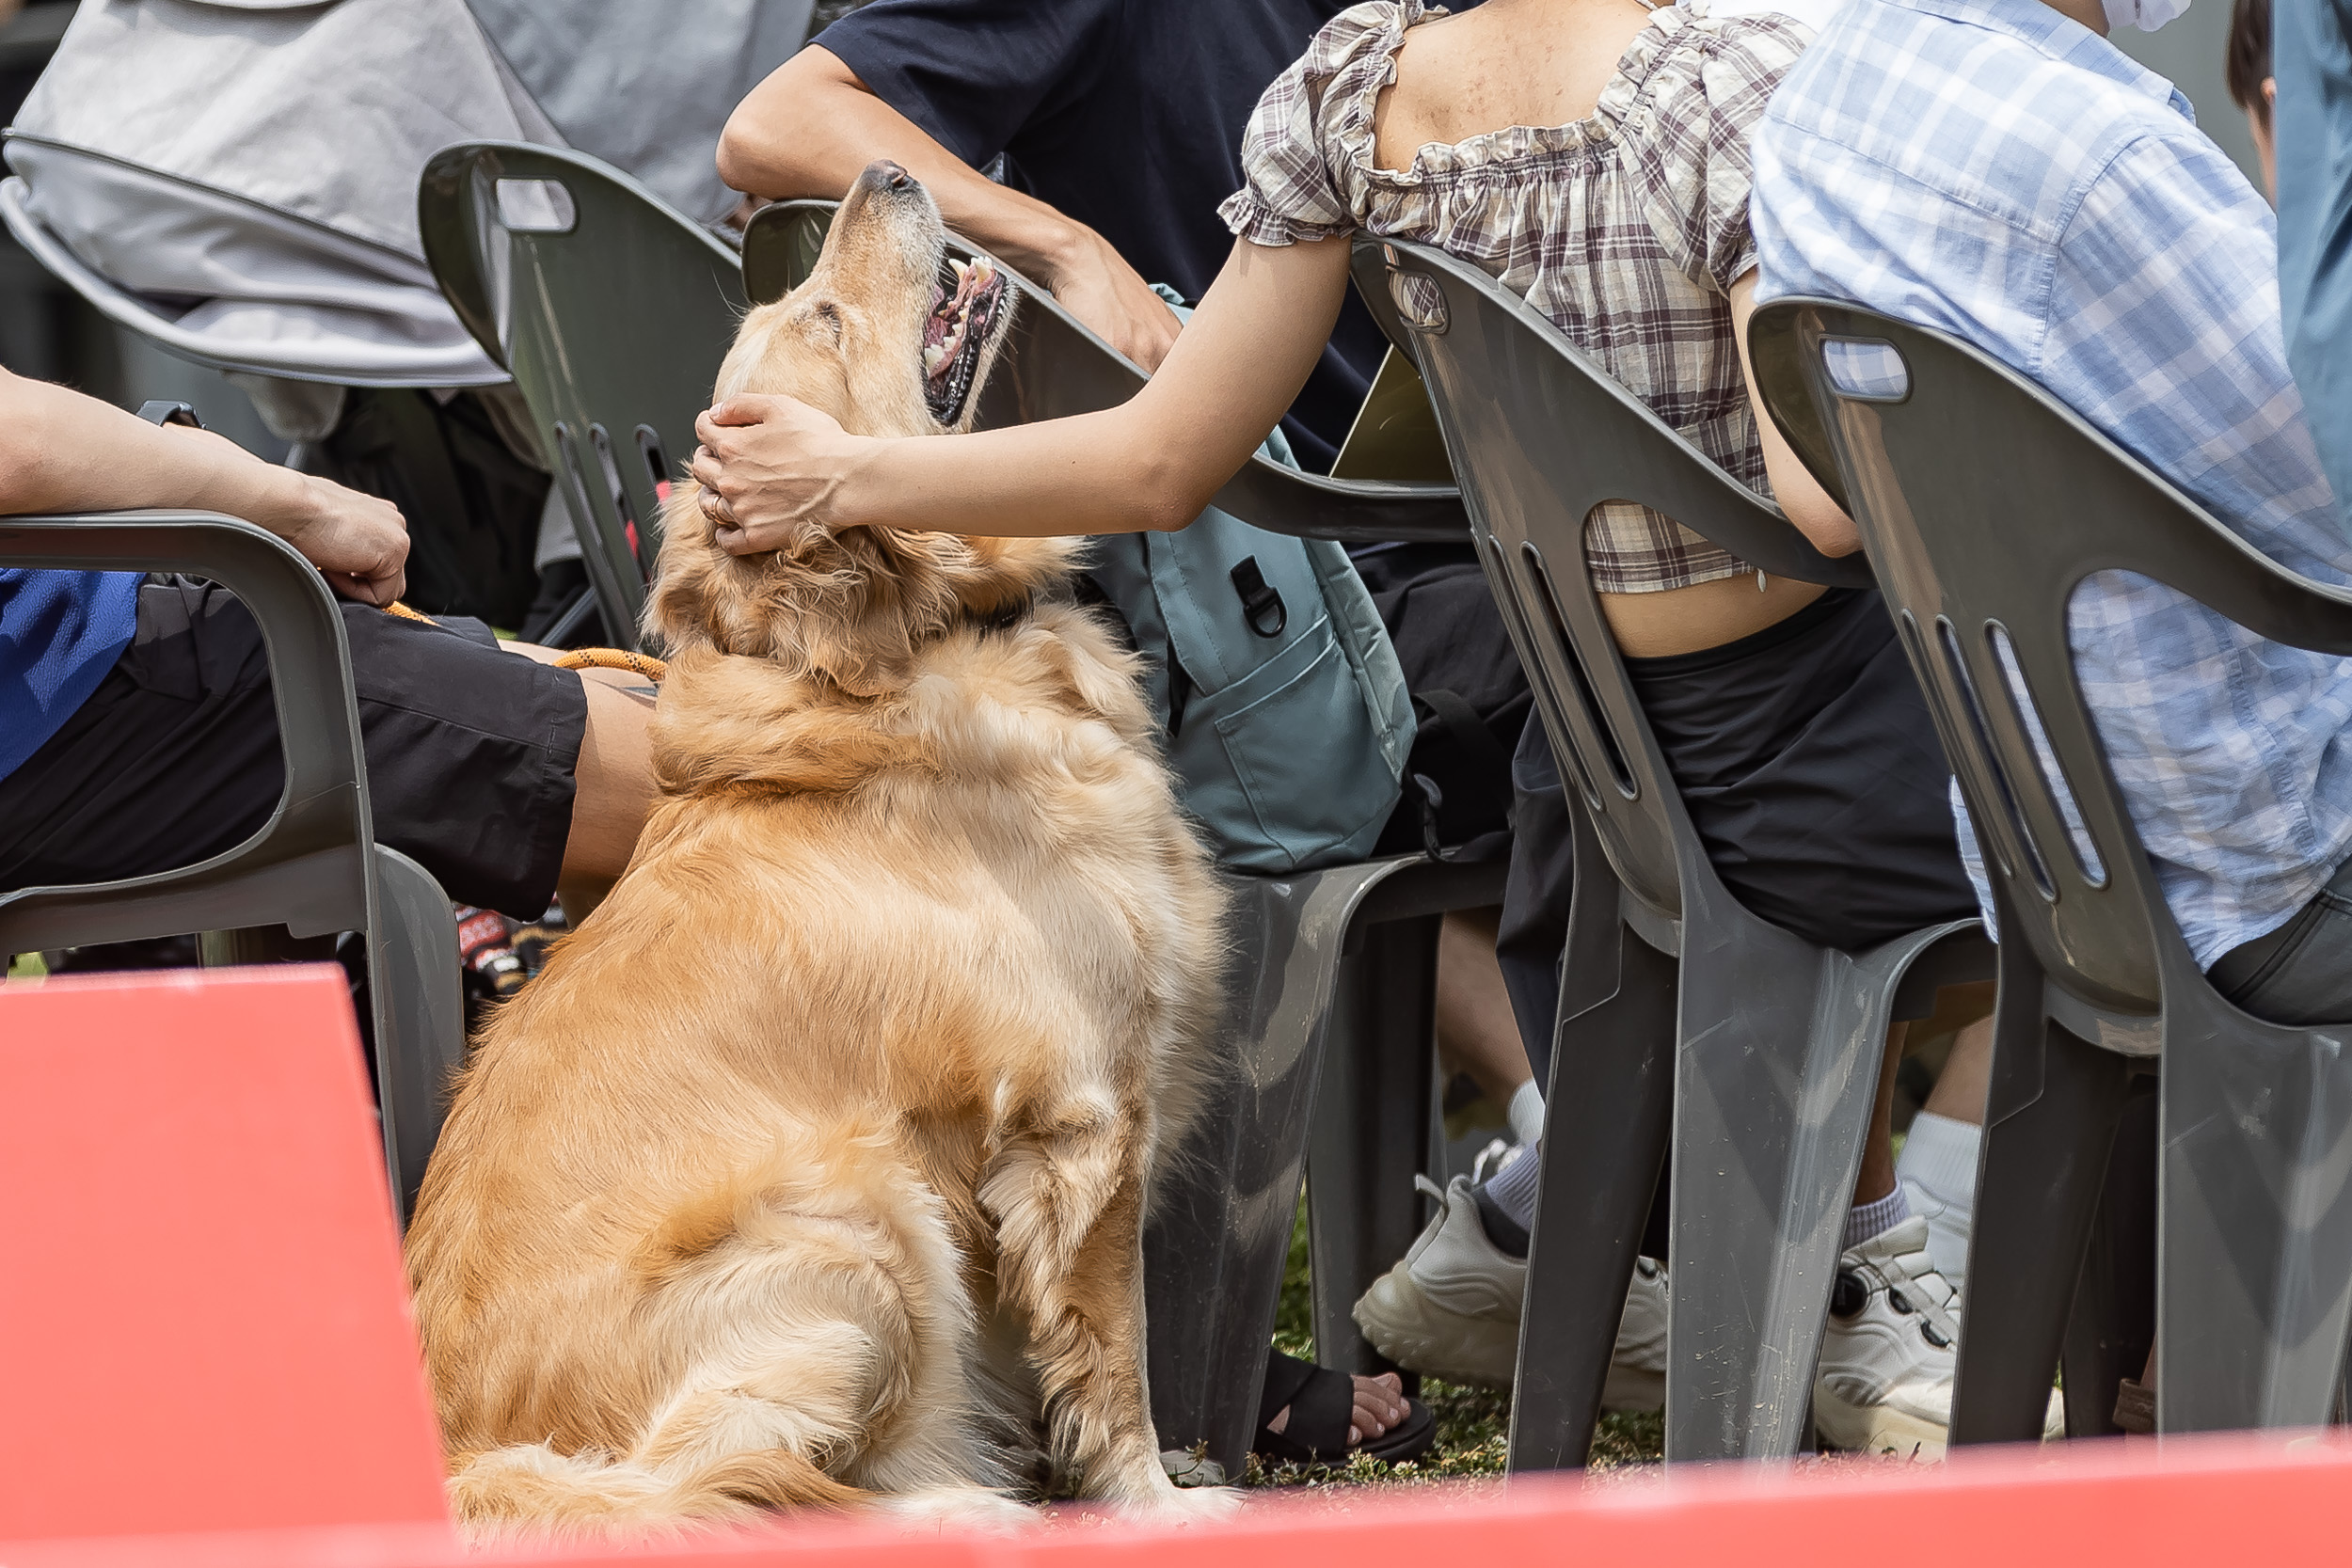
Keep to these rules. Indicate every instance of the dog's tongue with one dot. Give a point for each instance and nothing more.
(951, 316)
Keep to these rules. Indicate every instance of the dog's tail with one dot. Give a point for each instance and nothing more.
(532, 1487)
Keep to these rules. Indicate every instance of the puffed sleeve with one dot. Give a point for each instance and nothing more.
(1706, 103)
(1308, 144)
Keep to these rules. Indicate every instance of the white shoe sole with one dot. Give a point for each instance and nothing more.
(1406, 1327)
(1876, 1429)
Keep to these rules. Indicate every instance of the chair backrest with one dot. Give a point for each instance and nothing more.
(612, 312)
(1054, 366)
(309, 867)
(1540, 435)
(1983, 504)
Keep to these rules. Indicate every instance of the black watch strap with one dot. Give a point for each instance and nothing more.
(162, 411)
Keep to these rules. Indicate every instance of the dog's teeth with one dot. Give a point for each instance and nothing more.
(934, 355)
(959, 268)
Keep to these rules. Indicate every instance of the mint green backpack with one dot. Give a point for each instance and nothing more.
(1282, 708)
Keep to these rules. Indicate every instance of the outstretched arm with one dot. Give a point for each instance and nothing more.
(770, 462)
(812, 125)
(1808, 506)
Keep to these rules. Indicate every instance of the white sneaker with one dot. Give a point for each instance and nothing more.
(1451, 1310)
(1885, 1382)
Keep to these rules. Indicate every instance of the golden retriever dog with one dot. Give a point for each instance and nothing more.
(834, 1130)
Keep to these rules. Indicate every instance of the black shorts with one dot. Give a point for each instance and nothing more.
(1810, 767)
(1811, 771)
(175, 758)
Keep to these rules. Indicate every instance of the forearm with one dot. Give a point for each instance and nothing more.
(812, 126)
(63, 452)
(1808, 507)
(1151, 463)
(1096, 473)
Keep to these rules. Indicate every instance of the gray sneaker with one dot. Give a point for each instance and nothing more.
(1451, 1310)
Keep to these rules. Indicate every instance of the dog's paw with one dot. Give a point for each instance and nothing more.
(962, 1509)
(1186, 1505)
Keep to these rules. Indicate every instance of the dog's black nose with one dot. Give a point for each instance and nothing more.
(892, 176)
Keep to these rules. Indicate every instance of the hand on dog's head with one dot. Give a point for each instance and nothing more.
(876, 341)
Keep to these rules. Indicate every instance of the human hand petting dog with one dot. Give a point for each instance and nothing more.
(769, 468)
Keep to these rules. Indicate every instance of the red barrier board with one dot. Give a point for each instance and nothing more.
(2202, 1502)
(203, 1318)
(206, 1361)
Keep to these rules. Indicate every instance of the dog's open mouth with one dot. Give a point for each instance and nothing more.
(963, 309)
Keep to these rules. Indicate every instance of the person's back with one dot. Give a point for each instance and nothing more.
(1996, 169)
(1602, 179)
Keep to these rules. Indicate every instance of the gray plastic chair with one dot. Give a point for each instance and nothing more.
(1757, 1061)
(1983, 502)
(313, 868)
(611, 310)
(1347, 954)
(1324, 1065)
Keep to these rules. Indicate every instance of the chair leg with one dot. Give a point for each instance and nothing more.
(2255, 1259)
(2051, 1116)
(1607, 1119)
(1223, 1206)
(2114, 1319)
(420, 1016)
(1775, 1078)
(1370, 1130)
(1221, 1212)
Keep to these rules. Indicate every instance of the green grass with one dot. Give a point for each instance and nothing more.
(1473, 1424)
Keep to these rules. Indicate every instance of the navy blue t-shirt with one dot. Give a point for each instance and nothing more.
(1126, 115)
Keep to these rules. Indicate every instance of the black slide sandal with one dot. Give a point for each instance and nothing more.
(1322, 1404)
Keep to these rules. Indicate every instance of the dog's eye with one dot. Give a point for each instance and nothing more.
(827, 315)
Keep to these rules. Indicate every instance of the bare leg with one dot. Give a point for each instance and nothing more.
(1878, 1151)
(614, 788)
(1476, 1029)
(1959, 1094)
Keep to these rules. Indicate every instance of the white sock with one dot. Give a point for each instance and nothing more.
(1866, 1220)
(1526, 1113)
(1938, 1168)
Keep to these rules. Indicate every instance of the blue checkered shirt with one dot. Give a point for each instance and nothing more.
(1992, 170)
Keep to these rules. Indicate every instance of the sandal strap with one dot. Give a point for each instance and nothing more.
(1285, 1375)
(1322, 1404)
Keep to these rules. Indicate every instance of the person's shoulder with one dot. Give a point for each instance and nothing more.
(2021, 115)
(1372, 25)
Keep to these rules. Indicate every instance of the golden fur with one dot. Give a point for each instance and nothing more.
(875, 1046)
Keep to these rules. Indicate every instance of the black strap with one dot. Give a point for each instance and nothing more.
(164, 411)
(1475, 743)
(1470, 732)
(1260, 601)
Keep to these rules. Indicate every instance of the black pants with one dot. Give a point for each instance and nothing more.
(2302, 972)
(1809, 763)
(1470, 698)
(175, 757)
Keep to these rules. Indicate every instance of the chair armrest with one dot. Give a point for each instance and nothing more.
(305, 868)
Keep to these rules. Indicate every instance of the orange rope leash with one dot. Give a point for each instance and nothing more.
(579, 658)
(614, 658)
